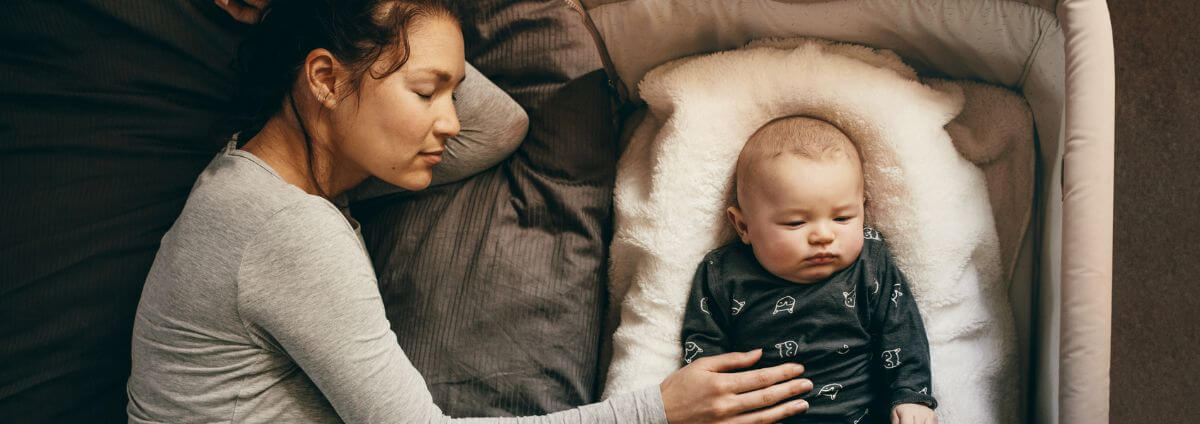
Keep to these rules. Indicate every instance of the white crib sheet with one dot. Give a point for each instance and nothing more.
(931, 203)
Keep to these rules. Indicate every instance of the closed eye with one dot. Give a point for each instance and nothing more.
(794, 223)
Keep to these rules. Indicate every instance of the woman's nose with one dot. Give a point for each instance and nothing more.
(447, 124)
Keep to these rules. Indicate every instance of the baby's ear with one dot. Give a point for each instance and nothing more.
(739, 224)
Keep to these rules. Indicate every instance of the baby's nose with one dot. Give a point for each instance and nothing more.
(821, 235)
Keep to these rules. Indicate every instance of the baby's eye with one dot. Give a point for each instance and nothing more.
(843, 218)
(794, 223)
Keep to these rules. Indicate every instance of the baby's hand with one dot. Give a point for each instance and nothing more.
(913, 413)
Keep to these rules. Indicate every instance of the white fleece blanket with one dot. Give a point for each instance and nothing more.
(675, 177)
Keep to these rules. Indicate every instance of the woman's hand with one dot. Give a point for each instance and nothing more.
(702, 392)
(244, 11)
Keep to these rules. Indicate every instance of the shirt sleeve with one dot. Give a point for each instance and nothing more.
(705, 319)
(307, 290)
(641, 407)
(902, 349)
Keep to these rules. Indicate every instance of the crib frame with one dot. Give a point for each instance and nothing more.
(1058, 54)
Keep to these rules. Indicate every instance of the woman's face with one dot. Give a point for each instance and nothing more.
(395, 128)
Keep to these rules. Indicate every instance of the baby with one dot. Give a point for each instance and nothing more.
(808, 283)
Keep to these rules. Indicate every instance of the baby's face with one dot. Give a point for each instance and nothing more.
(802, 217)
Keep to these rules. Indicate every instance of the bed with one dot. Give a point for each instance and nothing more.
(496, 285)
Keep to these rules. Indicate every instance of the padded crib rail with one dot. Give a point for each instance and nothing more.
(1087, 195)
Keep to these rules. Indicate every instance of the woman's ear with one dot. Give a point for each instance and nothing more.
(324, 77)
(739, 223)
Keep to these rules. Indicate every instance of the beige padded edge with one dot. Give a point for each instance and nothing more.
(1045, 89)
(1087, 213)
(1044, 4)
(988, 40)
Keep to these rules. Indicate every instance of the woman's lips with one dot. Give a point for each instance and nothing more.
(432, 157)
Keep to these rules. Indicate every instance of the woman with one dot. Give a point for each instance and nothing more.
(262, 304)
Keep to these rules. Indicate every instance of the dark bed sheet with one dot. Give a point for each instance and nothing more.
(105, 117)
(495, 285)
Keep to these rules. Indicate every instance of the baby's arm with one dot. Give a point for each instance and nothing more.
(704, 320)
(902, 347)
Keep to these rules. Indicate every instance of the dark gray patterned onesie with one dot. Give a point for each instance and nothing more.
(858, 333)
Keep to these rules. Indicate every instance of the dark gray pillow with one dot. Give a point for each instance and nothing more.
(495, 285)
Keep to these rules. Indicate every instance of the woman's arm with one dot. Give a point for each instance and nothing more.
(307, 288)
(493, 126)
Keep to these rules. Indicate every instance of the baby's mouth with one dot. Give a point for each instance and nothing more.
(821, 259)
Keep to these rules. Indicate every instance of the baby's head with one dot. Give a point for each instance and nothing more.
(798, 199)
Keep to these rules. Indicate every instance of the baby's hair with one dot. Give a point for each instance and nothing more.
(805, 137)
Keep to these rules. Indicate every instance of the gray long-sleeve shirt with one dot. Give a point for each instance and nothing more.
(262, 306)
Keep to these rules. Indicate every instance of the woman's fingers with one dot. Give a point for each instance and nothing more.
(729, 361)
(704, 391)
(773, 414)
(772, 395)
(747, 381)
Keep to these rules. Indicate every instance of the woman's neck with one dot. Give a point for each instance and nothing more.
(281, 145)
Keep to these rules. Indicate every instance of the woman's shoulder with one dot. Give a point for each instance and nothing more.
(238, 179)
(239, 190)
(237, 200)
